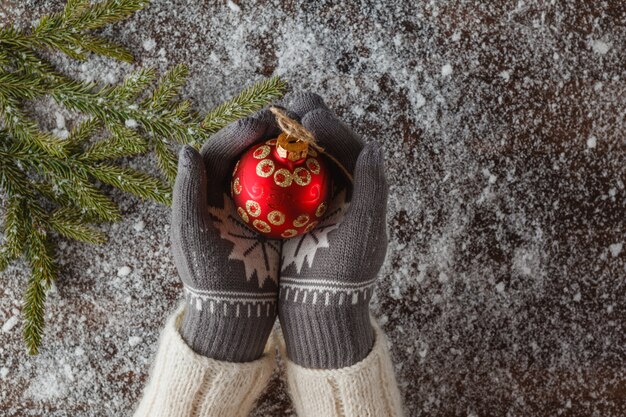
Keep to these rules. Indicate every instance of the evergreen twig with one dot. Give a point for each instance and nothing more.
(50, 186)
(246, 102)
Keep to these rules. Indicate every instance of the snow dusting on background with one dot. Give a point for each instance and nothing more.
(504, 289)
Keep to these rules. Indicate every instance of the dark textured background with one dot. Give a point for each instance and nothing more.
(504, 289)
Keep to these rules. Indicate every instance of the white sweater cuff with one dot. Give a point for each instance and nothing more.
(365, 389)
(183, 383)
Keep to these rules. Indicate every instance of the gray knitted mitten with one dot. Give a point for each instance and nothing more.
(229, 272)
(327, 275)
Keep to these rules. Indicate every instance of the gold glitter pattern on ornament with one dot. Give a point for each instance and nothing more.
(242, 213)
(262, 226)
(237, 186)
(313, 165)
(301, 220)
(289, 233)
(276, 217)
(301, 176)
(271, 142)
(253, 208)
(261, 152)
(265, 168)
(321, 209)
(312, 151)
(282, 177)
(310, 226)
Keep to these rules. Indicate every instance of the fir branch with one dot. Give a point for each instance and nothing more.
(103, 47)
(65, 31)
(13, 180)
(134, 84)
(169, 85)
(71, 224)
(82, 132)
(123, 142)
(103, 13)
(34, 310)
(20, 86)
(166, 160)
(132, 181)
(25, 130)
(53, 185)
(14, 231)
(248, 101)
(43, 271)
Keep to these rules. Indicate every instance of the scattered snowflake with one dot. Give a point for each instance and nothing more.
(149, 44)
(616, 249)
(591, 142)
(60, 120)
(233, 6)
(131, 123)
(446, 70)
(134, 340)
(420, 101)
(139, 226)
(600, 47)
(124, 271)
(9, 324)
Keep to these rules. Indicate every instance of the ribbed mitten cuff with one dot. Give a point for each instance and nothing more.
(323, 337)
(366, 389)
(231, 339)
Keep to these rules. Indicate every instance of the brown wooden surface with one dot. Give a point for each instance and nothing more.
(500, 293)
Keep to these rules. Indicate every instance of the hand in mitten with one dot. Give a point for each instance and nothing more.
(229, 272)
(327, 276)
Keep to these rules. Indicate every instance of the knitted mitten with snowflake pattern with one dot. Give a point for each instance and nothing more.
(229, 272)
(327, 275)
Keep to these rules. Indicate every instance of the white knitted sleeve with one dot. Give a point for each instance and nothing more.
(365, 389)
(183, 383)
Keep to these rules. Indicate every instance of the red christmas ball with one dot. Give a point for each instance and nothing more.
(281, 188)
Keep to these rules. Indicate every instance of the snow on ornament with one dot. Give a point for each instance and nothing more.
(281, 187)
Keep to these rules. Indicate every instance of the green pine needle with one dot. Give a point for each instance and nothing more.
(43, 273)
(248, 101)
(71, 224)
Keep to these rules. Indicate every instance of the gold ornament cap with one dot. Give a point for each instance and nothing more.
(293, 143)
(291, 148)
